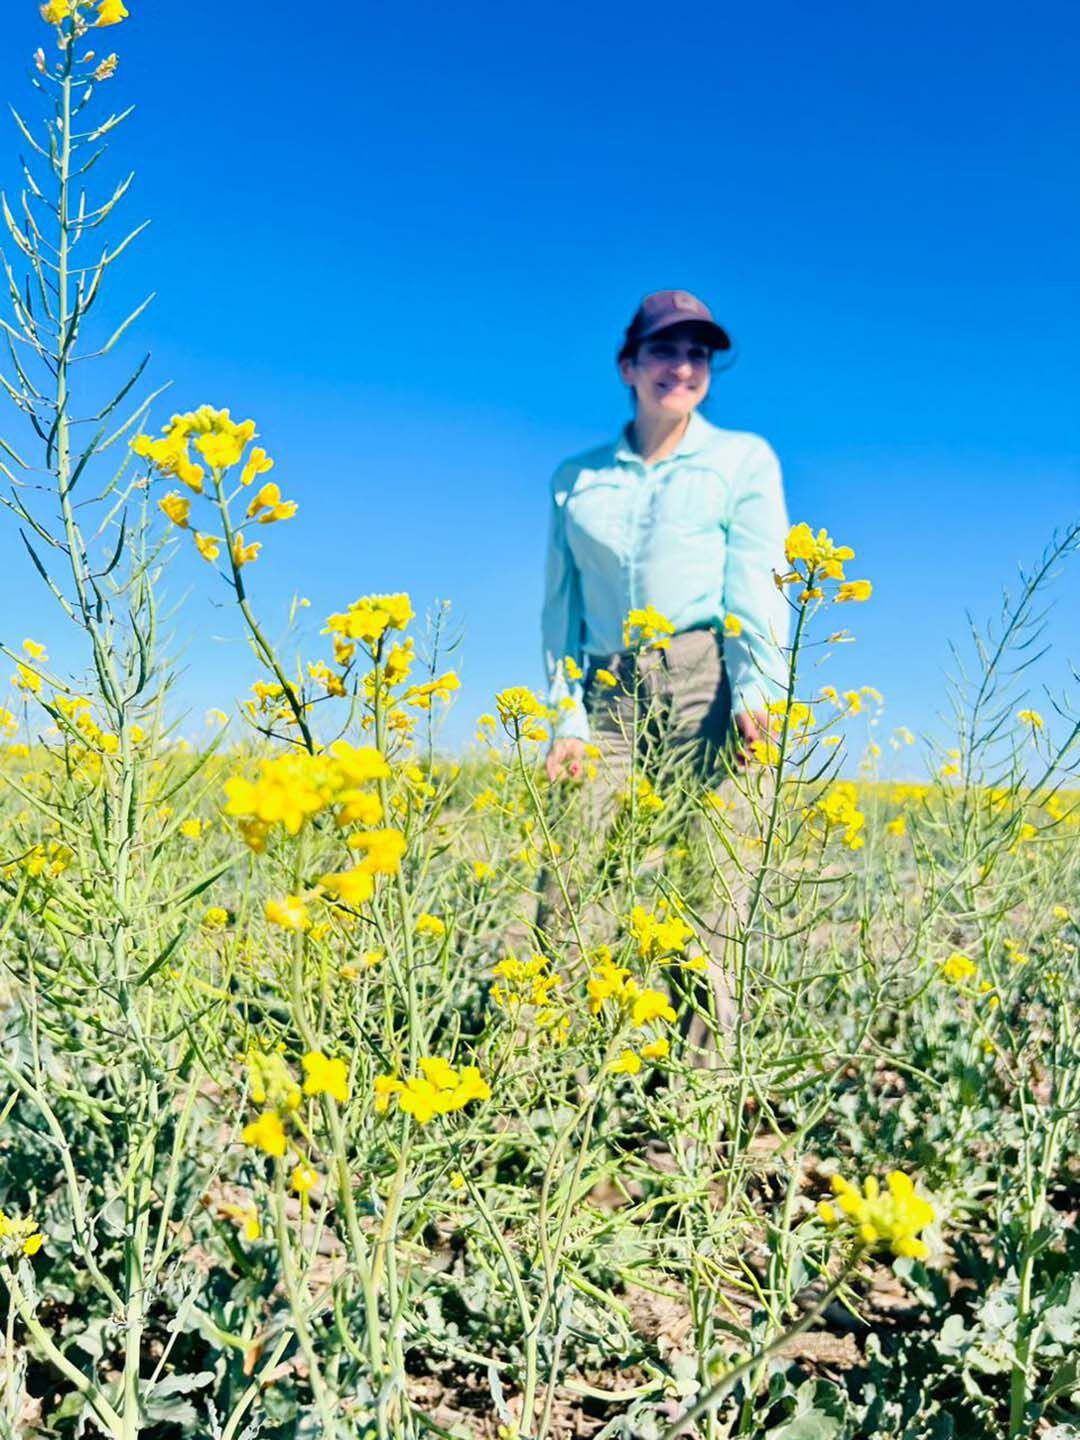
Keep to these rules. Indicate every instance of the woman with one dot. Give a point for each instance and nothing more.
(680, 515)
(677, 514)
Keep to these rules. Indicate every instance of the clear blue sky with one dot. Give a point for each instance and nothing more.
(406, 241)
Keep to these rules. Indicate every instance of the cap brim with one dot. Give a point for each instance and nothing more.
(715, 336)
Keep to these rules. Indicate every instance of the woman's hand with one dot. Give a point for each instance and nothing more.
(566, 757)
(751, 726)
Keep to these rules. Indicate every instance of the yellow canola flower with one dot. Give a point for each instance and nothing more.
(524, 982)
(818, 553)
(208, 546)
(647, 627)
(215, 917)
(397, 664)
(258, 463)
(857, 590)
(266, 1133)
(20, 1236)
(268, 506)
(891, 1219)
(55, 12)
(246, 1215)
(441, 688)
(359, 807)
(605, 677)
(627, 1064)
(439, 1089)
(36, 651)
(958, 968)
(243, 554)
(658, 937)
(325, 1076)
(383, 850)
(765, 752)
(288, 790)
(303, 1178)
(643, 797)
(733, 627)
(222, 448)
(897, 826)
(111, 12)
(656, 1050)
(26, 679)
(290, 913)
(359, 765)
(430, 925)
(177, 508)
(368, 618)
(838, 808)
(651, 1005)
(1030, 717)
(170, 455)
(351, 887)
(521, 710)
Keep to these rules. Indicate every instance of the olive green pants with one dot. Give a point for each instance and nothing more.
(667, 720)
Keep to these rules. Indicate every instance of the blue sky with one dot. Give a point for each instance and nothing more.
(406, 240)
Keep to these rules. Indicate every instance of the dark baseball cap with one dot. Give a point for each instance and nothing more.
(665, 308)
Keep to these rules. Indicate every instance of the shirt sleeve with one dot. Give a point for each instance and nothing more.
(756, 659)
(562, 622)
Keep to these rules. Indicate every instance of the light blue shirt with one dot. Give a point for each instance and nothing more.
(697, 534)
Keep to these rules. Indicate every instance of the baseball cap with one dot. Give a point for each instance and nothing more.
(664, 308)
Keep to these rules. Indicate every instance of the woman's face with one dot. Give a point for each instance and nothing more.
(670, 373)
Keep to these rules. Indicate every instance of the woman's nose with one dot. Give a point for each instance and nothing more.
(683, 369)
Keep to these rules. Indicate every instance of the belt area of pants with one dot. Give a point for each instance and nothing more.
(627, 663)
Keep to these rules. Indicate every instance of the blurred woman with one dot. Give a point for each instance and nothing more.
(676, 514)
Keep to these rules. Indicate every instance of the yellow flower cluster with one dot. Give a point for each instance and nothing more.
(19, 1237)
(814, 558)
(109, 12)
(660, 937)
(42, 861)
(368, 618)
(439, 1089)
(266, 505)
(647, 629)
(799, 715)
(521, 983)
(641, 794)
(272, 1085)
(441, 688)
(838, 810)
(891, 1219)
(220, 442)
(637, 1003)
(290, 788)
(959, 968)
(521, 710)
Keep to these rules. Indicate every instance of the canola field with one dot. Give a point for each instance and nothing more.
(310, 1129)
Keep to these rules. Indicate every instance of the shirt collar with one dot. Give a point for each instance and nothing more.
(694, 440)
